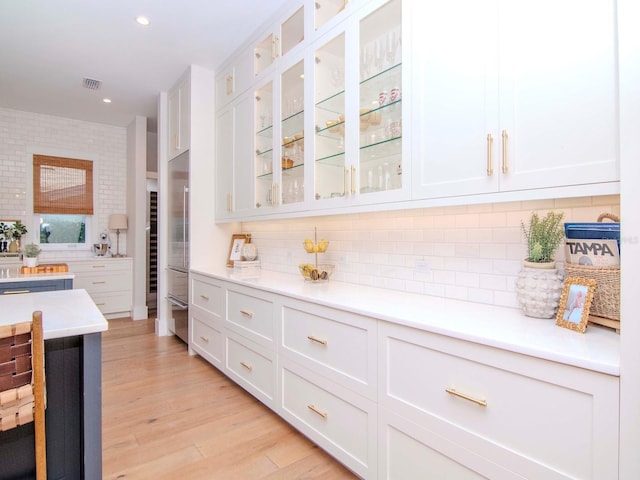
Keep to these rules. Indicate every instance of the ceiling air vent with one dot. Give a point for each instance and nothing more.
(91, 84)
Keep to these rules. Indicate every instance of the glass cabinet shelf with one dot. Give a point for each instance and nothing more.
(267, 154)
(333, 104)
(336, 160)
(381, 149)
(266, 132)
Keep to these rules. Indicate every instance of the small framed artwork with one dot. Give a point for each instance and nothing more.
(235, 248)
(575, 302)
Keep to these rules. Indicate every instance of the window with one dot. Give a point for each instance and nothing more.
(62, 201)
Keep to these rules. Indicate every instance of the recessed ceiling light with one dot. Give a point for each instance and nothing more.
(142, 20)
(106, 100)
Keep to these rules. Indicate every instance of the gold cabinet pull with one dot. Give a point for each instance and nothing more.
(353, 179)
(229, 81)
(315, 410)
(489, 155)
(204, 297)
(345, 191)
(246, 365)
(505, 164)
(452, 391)
(204, 339)
(317, 340)
(15, 292)
(246, 313)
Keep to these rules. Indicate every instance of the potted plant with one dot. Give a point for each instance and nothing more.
(16, 231)
(543, 236)
(539, 283)
(31, 252)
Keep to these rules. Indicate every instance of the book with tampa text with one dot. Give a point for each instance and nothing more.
(592, 252)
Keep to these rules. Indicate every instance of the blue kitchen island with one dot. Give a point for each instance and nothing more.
(73, 354)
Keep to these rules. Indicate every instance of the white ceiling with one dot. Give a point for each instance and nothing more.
(47, 47)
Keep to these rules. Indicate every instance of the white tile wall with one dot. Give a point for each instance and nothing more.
(472, 252)
(24, 133)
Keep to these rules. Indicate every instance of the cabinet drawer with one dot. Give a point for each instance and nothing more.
(408, 451)
(251, 315)
(332, 343)
(103, 283)
(112, 302)
(252, 367)
(99, 267)
(498, 395)
(321, 410)
(207, 295)
(207, 340)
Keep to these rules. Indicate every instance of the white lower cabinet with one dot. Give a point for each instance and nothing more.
(337, 419)
(109, 282)
(252, 366)
(206, 307)
(206, 337)
(395, 402)
(483, 407)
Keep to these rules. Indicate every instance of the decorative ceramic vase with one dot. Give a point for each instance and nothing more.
(539, 288)
(13, 246)
(249, 251)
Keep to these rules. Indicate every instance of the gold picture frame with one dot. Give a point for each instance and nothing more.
(575, 303)
(235, 247)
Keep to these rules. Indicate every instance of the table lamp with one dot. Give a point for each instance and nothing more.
(117, 222)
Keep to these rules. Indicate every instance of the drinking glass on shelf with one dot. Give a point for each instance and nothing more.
(391, 47)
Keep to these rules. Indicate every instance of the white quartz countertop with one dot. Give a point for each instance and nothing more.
(65, 313)
(598, 349)
(12, 274)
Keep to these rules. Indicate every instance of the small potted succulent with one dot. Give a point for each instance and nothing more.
(539, 283)
(31, 252)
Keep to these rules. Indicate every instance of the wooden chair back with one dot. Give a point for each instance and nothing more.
(22, 382)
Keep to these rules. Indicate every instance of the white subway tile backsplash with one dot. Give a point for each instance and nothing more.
(473, 253)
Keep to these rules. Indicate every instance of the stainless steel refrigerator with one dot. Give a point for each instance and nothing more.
(178, 242)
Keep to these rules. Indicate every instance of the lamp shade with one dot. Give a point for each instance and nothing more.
(118, 221)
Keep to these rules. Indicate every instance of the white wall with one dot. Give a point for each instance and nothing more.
(474, 252)
(24, 133)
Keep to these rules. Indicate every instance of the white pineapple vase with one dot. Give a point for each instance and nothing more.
(539, 288)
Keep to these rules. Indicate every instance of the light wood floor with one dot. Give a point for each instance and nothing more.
(170, 416)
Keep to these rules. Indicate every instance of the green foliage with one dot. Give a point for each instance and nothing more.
(18, 230)
(543, 236)
(31, 250)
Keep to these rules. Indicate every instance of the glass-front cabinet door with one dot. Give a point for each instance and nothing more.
(264, 136)
(279, 40)
(380, 100)
(290, 188)
(327, 10)
(331, 173)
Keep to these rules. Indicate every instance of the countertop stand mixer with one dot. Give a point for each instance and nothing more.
(100, 249)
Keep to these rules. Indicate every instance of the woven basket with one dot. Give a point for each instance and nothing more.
(606, 297)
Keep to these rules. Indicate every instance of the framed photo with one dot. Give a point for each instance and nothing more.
(235, 248)
(575, 302)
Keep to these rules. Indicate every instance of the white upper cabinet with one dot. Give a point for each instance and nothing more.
(359, 140)
(234, 159)
(279, 40)
(179, 116)
(235, 78)
(513, 97)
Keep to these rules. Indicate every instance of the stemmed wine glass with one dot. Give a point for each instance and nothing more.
(366, 59)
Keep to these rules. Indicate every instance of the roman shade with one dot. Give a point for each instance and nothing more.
(62, 185)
